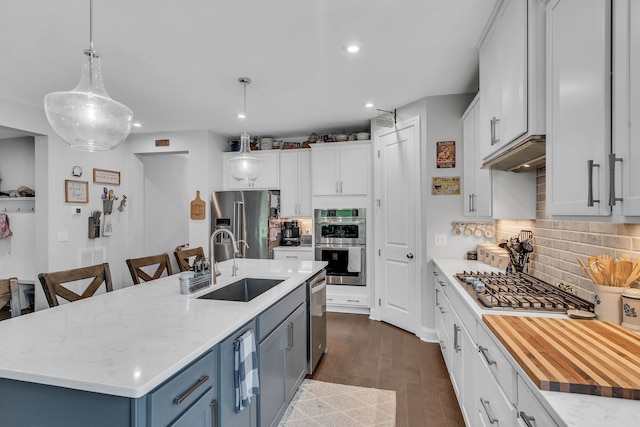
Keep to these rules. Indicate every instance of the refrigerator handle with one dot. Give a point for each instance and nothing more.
(240, 225)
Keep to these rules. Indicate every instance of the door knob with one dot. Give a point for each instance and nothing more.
(410, 255)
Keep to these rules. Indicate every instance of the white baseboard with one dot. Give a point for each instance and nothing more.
(347, 309)
(428, 335)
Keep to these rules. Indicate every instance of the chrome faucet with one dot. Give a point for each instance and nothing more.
(212, 260)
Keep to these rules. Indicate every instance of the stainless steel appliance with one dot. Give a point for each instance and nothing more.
(518, 292)
(247, 215)
(290, 233)
(317, 308)
(340, 239)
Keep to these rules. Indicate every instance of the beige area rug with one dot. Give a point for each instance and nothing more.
(319, 403)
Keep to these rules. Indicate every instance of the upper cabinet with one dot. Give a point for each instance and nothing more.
(340, 169)
(512, 77)
(626, 109)
(593, 109)
(295, 183)
(492, 193)
(477, 182)
(268, 179)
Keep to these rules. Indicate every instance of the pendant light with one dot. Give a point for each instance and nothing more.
(86, 117)
(245, 167)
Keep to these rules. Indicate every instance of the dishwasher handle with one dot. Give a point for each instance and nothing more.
(317, 287)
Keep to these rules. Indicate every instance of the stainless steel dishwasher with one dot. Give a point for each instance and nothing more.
(317, 309)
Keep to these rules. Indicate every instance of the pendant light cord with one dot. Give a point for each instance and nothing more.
(245, 105)
(91, 26)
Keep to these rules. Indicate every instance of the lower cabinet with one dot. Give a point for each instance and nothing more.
(489, 390)
(227, 396)
(203, 413)
(283, 356)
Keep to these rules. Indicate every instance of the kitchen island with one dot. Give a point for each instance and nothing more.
(506, 383)
(127, 343)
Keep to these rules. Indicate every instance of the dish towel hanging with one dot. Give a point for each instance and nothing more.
(354, 265)
(245, 370)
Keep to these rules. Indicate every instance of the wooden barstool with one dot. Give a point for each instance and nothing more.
(184, 256)
(52, 283)
(10, 294)
(136, 264)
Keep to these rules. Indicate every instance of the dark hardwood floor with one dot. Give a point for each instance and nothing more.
(367, 353)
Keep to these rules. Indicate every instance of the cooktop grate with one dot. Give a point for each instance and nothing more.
(520, 291)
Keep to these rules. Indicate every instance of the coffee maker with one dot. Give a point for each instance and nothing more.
(290, 233)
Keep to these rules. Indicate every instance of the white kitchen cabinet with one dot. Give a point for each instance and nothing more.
(530, 412)
(442, 313)
(477, 182)
(579, 108)
(593, 109)
(295, 183)
(493, 406)
(626, 108)
(492, 193)
(340, 169)
(295, 253)
(512, 76)
(268, 179)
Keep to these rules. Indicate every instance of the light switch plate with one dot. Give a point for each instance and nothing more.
(440, 239)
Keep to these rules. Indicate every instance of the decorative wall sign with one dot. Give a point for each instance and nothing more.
(76, 191)
(445, 185)
(103, 176)
(446, 154)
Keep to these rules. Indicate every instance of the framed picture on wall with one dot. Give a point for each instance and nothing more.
(76, 191)
(104, 176)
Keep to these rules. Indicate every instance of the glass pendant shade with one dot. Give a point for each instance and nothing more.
(244, 167)
(86, 117)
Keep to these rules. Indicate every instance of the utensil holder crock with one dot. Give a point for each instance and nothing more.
(608, 302)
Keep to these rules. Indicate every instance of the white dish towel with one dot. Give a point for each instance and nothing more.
(355, 260)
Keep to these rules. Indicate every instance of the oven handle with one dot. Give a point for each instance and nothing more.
(341, 247)
(347, 222)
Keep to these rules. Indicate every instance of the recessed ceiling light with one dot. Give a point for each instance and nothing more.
(352, 48)
(136, 124)
(240, 116)
(368, 104)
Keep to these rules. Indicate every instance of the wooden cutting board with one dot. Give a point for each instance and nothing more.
(573, 356)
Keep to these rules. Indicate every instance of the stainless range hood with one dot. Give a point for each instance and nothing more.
(521, 157)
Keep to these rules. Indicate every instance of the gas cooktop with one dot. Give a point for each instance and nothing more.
(519, 291)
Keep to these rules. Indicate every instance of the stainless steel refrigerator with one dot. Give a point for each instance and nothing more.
(247, 215)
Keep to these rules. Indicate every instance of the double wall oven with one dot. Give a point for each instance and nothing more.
(340, 239)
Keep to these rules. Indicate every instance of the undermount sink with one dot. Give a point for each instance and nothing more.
(243, 290)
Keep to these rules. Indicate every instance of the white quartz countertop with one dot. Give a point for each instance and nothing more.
(572, 408)
(129, 341)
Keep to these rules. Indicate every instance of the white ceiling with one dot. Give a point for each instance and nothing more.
(177, 63)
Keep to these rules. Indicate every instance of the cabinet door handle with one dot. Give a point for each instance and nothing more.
(456, 330)
(340, 187)
(528, 420)
(494, 140)
(353, 300)
(410, 255)
(485, 353)
(437, 302)
(487, 409)
(612, 179)
(289, 336)
(442, 310)
(442, 346)
(473, 199)
(214, 413)
(203, 379)
(590, 166)
(292, 256)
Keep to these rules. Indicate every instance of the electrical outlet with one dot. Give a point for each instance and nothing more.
(440, 239)
(76, 210)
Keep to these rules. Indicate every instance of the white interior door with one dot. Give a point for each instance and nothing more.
(397, 268)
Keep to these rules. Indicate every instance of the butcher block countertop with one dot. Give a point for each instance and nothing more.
(572, 356)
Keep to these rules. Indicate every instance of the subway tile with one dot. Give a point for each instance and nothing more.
(632, 230)
(602, 228)
(617, 242)
(591, 239)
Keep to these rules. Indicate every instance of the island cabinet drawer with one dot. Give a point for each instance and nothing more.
(496, 362)
(530, 410)
(180, 392)
(271, 318)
